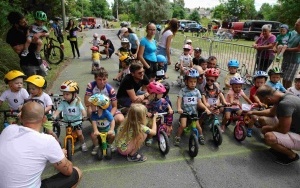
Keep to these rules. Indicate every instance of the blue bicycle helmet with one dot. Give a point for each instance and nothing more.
(161, 59)
(236, 80)
(192, 73)
(233, 63)
(260, 74)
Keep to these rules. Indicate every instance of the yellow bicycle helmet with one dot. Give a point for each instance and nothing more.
(100, 100)
(13, 74)
(37, 80)
(69, 86)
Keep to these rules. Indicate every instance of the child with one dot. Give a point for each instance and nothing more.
(102, 120)
(133, 132)
(259, 79)
(211, 95)
(186, 63)
(16, 94)
(37, 27)
(275, 76)
(189, 42)
(36, 85)
(96, 41)
(281, 41)
(233, 97)
(123, 50)
(96, 56)
(212, 62)
(158, 104)
(189, 99)
(295, 90)
(125, 63)
(72, 109)
(160, 73)
(197, 56)
(233, 65)
(203, 63)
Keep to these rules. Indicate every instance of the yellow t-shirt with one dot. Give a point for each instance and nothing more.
(96, 55)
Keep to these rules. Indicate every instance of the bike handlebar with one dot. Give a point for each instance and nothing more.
(69, 122)
(5, 111)
(55, 95)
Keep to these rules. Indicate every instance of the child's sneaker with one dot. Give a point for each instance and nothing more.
(201, 140)
(37, 55)
(25, 53)
(83, 147)
(95, 149)
(249, 132)
(149, 141)
(113, 148)
(177, 141)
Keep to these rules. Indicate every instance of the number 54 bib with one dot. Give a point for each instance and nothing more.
(189, 100)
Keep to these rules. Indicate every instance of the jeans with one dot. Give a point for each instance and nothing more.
(162, 51)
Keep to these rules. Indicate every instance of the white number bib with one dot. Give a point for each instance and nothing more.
(190, 100)
(72, 111)
(212, 101)
(102, 123)
(160, 73)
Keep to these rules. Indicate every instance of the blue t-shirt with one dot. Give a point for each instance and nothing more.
(190, 100)
(277, 86)
(150, 49)
(103, 121)
(72, 112)
(132, 39)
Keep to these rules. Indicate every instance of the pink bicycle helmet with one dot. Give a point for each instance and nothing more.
(236, 80)
(94, 48)
(156, 87)
(212, 72)
(186, 46)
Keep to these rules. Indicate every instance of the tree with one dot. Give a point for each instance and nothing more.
(195, 16)
(178, 12)
(100, 8)
(265, 10)
(219, 12)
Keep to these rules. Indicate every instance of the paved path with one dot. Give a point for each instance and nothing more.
(233, 164)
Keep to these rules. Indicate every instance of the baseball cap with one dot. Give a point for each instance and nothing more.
(123, 30)
(284, 26)
(198, 49)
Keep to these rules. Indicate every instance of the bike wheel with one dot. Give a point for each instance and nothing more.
(239, 132)
(193, 145)
(177, 66)
(46, 55)
(56, 129)
(108, 153)
(69, 149)
(100, 153)
(217, 134)
(163, 143)
(55, 55)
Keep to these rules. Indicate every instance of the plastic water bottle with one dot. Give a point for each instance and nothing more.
(6, 124)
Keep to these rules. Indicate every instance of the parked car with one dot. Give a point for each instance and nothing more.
(194, 27)
(183, 24)
(252, 28)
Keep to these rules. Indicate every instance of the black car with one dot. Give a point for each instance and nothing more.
(252, 28)
(194, 27)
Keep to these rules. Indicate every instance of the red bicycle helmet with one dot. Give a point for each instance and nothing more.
(156, 87)
(212, 72)
(103, 37)
(94, 48)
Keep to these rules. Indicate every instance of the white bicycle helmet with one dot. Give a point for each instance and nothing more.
(95, 35)
(124, 40)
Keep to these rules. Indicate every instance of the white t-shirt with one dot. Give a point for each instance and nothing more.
(163, 39)
(45, 98)
(14, 99)
(96, 42)
(24, 154)
(186, 59)
(294, 91)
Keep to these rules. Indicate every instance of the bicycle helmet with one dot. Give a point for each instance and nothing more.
(156, 88)
(188, 41)
(236, 80)
(69, 86)
(191, 73)
(161, 59)
(124, 40)
(95, 35)
(40, 15)
(99, 100)
(94, 48)
(37, 80)
(103, 37)
(233, 63)
(158, 27)
(212, 72)
(260, 74)
(186, 46)
(274, 70)
(166, 85)
(13, 74)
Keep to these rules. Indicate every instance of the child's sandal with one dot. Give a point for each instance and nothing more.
(136, 158)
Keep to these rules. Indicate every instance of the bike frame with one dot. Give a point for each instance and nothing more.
(102, 137)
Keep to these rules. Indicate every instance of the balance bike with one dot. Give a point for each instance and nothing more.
(162, 137)
(103, 150)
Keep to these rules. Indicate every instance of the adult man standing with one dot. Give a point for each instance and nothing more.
(16, 38)
(291, 57)
(284, 136)
(25, 152)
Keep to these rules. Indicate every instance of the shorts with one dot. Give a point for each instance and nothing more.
(33, 70)
(289, 140)
(232, 110)
(60, 180)
(77, 127)
(104, 129)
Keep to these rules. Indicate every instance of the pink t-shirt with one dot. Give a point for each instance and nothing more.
(267, 53)
(236, 97)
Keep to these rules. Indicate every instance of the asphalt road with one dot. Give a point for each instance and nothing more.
(233, 164)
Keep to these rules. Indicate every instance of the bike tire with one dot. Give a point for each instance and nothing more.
(69, 149)
(163, 143)
(217, 134)
(55, 55)
(46, 52)
(239, 132)
(99, 153)
(56, 129)
(193, 145)
(108, 153)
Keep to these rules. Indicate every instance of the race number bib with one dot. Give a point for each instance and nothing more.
(160, 73)
(190, 100)
(212, 101)
(72, 111)
(102, 123)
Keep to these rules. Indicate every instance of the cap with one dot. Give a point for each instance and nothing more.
(284, 26)
(123, 30)
(197, 49)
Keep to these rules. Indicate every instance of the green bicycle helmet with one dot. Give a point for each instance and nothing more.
(40, 15)
(274, 70)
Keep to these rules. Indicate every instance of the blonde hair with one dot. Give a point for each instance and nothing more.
(134, 120)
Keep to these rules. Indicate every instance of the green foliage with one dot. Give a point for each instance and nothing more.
(123, 17)
(100, 8)
(178, 12)
(195, 16)
(219, 12)
(155, 10)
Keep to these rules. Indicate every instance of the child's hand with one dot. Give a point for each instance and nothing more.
(19, 114)
(207, 105)
(170, 111)
(208, 111)
(155, 116)
(96, 133)
(149, 115)
(110, 132)
(180, 111)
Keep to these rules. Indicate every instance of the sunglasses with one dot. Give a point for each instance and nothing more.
(210, 80)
